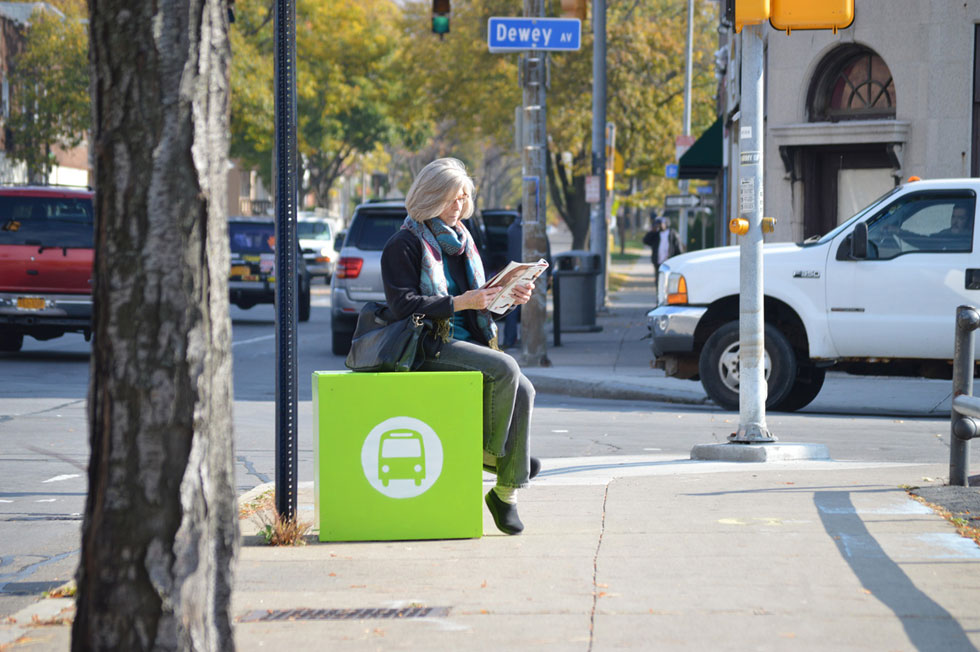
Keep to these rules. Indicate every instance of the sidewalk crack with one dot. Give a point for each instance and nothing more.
(595, 568)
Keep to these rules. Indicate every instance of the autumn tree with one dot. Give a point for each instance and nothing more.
(351, 92)
(49, 88)
(160, 528)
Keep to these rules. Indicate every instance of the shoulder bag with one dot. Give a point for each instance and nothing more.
(382, 344)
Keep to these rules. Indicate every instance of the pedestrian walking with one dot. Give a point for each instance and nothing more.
(432, 267)
(663, 242)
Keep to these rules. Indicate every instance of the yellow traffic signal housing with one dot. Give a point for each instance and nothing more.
(574, 9)
(811, 14)
(610, 180)
(750, 12)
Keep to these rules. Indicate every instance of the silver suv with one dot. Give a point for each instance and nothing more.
(357, 276)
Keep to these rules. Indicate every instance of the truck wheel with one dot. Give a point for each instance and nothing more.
(11, 342)
(304, 305)
(807, 385)
(719, 366)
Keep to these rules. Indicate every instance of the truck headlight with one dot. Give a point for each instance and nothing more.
(674, 290)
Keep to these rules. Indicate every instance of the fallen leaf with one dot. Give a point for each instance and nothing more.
(484, 611)
(484, 585)
(333, 574)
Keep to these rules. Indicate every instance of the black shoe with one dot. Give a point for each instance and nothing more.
(504, 514)
(535, 467)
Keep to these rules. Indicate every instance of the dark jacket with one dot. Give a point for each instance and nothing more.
(652, 239)
(401, 273)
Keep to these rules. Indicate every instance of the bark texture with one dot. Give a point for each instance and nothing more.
(160, 531)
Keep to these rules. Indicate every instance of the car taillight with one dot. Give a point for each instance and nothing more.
(349, 267)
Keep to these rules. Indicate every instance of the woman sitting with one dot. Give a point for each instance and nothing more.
(431, 266)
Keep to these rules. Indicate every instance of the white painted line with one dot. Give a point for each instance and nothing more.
(956, 547)
(59, 478)
(3, 500)
(46, 500)
(254, 339)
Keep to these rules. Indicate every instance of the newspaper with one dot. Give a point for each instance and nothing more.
(511, 275)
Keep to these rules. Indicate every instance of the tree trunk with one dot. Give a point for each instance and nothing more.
(160, 530)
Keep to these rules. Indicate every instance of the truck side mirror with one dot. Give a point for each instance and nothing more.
(859, 241)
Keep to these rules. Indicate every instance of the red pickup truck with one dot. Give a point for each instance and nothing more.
(46, 252)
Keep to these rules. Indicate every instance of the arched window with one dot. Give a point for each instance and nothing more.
(852, 83)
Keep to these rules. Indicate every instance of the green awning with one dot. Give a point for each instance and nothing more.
(703, 159)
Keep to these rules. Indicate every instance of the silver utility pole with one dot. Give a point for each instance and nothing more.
(534, 77)
(682, 184)
(599, 240)
(752, 381)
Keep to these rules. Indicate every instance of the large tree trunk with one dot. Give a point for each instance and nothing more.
(160, 529)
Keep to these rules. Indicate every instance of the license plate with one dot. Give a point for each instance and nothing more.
(30, 303)
(239, 270)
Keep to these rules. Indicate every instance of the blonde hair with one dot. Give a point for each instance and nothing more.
(438, 184)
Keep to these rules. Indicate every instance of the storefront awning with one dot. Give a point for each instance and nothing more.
(703, 159)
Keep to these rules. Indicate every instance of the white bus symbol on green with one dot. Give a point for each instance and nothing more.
(401, 456)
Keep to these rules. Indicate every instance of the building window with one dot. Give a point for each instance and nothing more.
(852, 83)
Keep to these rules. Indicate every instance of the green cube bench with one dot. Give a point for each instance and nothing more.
(398, 455)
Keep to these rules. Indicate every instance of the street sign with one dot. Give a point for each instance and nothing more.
(671, 171)
(518, 34)
(681, 201)
(592, 189)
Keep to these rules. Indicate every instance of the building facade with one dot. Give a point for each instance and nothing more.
(849, 115)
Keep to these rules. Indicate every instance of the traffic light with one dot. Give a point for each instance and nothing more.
(806, 14)
(440, 17)
(610, 180)
(574, 9)
(747, 12)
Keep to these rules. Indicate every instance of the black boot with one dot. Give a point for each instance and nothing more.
(504, 514)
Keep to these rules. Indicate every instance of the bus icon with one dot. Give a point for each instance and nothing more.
(401, 456)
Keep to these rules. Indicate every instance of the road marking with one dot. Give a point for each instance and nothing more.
(254, 339)
(46, 500)
(59, 478)
(4, 500)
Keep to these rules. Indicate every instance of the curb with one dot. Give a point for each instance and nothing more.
(603, 389)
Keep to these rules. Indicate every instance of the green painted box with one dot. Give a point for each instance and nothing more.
(398, 455)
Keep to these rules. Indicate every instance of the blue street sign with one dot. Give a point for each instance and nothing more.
(517, 34)
(671, 171)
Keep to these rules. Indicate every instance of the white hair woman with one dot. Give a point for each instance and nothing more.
(431, 266)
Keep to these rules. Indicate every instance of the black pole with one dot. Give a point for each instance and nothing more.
(967, 321)
(286, 249)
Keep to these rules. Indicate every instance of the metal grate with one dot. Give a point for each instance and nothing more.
(343, 614)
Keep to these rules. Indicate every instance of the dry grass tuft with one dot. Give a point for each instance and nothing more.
(278, 531)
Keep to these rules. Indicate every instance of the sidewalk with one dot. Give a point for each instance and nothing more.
(650, 552)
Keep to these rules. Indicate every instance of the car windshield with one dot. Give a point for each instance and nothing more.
(252, 237)
(313, 231)
(372, 228)
(830, 235)
(46, 221)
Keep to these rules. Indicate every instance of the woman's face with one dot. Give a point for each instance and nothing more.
(454, 210)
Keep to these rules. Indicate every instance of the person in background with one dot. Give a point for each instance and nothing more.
(431, 267)
(664, 243)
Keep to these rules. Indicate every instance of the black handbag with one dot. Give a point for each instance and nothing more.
(382, 344)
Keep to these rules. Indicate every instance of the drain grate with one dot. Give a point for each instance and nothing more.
(343, 614)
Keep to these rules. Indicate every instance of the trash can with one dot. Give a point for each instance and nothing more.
(576, 273)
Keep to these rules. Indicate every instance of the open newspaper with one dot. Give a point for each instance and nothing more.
(511, 275)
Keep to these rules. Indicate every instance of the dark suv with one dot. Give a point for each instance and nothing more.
(252, 278)
(46, 253)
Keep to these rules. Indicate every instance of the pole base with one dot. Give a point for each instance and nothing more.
(785, 452)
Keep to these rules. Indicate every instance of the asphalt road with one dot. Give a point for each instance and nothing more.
(44, 447)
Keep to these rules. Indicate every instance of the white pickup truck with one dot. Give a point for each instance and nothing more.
(877, 295)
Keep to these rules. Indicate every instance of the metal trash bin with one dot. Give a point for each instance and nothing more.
(575, 276)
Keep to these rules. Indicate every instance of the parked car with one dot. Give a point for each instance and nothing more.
(316, 235)
(252, 276)
(357, 277)
(46, 253)
(876, 295)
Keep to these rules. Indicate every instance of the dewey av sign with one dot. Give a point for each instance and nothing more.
(516, 34)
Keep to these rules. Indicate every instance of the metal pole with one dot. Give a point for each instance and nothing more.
(598, 239)
(535, 78)
(967, 321)
(286, 250)
(683, 184)
(752, 381)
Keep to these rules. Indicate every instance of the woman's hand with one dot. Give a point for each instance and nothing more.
(521, 294)
(475, 299)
